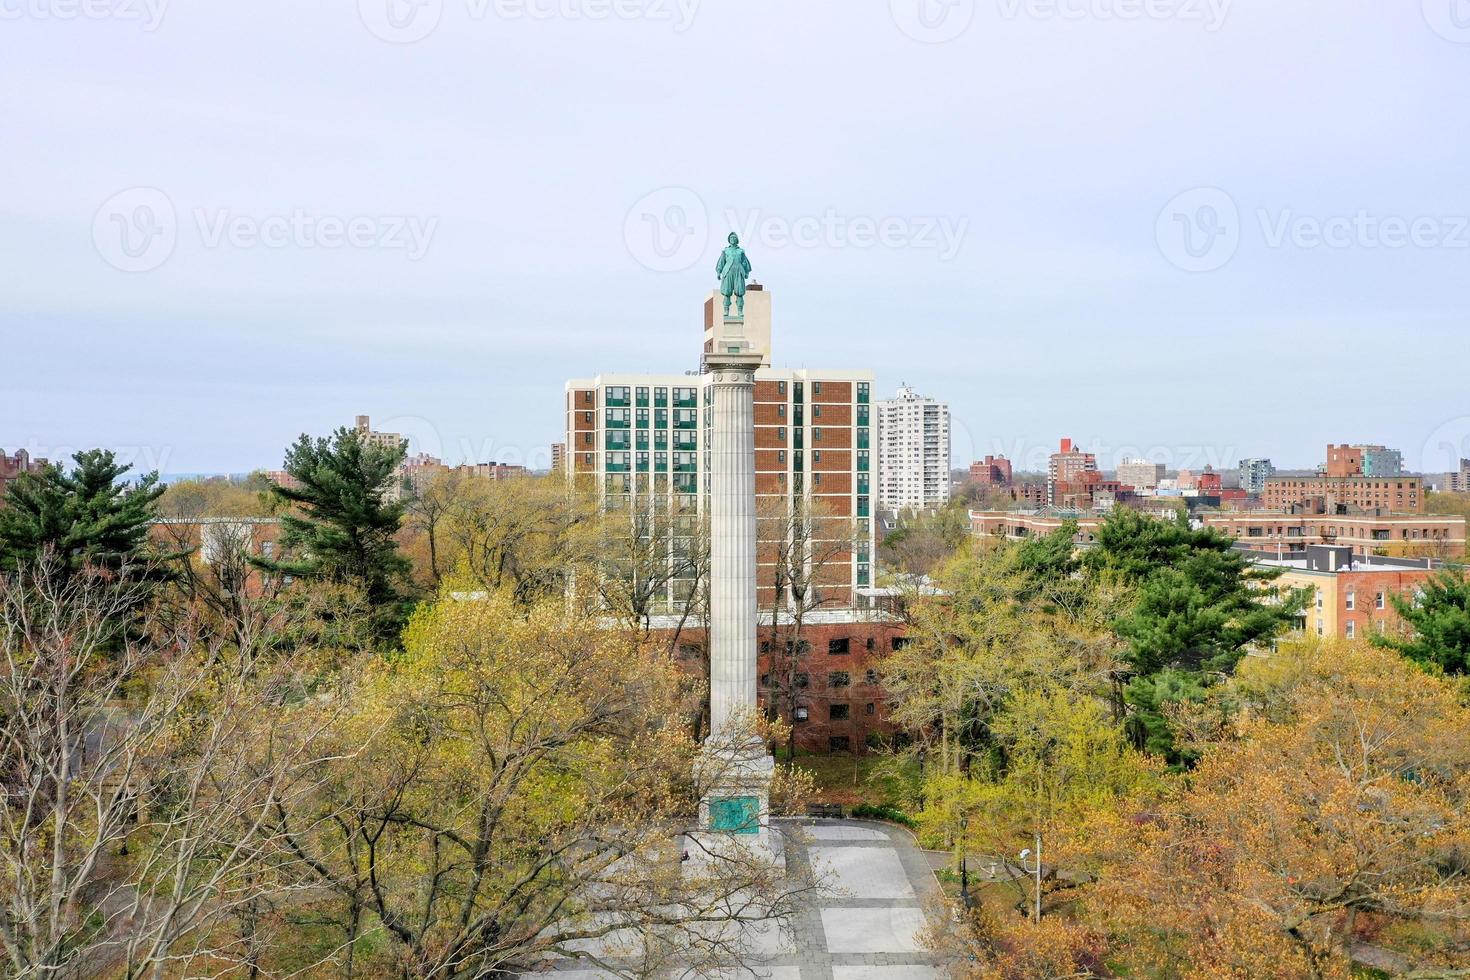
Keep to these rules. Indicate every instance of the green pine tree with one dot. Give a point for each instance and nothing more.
(1440, 617)
(341, 526)
(86, 519)
(1201, 606)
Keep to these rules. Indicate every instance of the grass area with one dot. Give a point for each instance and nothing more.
(854, 779)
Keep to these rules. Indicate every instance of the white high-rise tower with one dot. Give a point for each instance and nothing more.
(913, 451)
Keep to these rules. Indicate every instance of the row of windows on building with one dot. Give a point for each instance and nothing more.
(835, 679)
(641, 396)
(685, 437)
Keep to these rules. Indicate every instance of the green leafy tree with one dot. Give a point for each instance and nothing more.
(341, 525)
(88, 519)
(1440, 618)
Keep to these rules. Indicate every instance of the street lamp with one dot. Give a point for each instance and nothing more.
(966, 898)
(1025, 854)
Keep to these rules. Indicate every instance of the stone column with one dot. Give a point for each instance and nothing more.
(732, 541)
(734, 771)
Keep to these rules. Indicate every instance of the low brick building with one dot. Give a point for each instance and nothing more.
(839, 700)
(1349, 595)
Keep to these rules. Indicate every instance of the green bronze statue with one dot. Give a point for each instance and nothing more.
(733, 269)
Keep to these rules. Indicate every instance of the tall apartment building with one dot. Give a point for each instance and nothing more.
(1460, 481)
(1254, 473)
(642, 441)
(913, 451)
(558, 457)
(1140, 474)
(1065, 468)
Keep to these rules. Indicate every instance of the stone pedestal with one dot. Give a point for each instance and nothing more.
(736, 771)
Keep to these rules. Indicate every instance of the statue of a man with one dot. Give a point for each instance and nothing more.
(733, 269)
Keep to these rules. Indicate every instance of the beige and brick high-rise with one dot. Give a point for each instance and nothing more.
(643, 440)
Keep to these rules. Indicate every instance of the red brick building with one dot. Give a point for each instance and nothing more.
(840, 704)
(994, 471)
(1065, 472)
(13, 466)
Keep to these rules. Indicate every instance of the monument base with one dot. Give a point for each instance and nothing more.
(734, 777)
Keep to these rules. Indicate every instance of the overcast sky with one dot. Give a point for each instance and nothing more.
(1192, 229)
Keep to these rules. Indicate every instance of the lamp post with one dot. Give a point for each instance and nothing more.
(966, 899)
(1024, 855)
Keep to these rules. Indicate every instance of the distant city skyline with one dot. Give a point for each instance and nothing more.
(1217, 230)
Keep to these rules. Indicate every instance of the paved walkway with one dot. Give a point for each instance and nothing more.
(869, 930)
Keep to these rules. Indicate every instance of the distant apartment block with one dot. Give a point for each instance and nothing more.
(1254, 473)
(1460, 480)
(993, 471)
(1345, 494)
(1381, 461)
(1140, 474)
(1392, 534)
(1066, 471)
(913, 451)
(1343, 485)
(13, 466)
(416, 472)
(558, 457)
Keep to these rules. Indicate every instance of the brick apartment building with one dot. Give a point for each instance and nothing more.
(1349, 595)
(642, 442)
(1345, 485)
(417, 471)
(839, 697)
(993, 471)
(1067, 476)
(13, 466)
(1345, 494)
(1363, 535)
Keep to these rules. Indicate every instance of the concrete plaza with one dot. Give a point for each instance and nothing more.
(868, 927)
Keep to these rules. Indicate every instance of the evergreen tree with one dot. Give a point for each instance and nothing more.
(1201, 605)
(1440, 617)
(341, 525)
(88, 518)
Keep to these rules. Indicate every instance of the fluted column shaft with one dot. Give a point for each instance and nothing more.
(732, 545)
